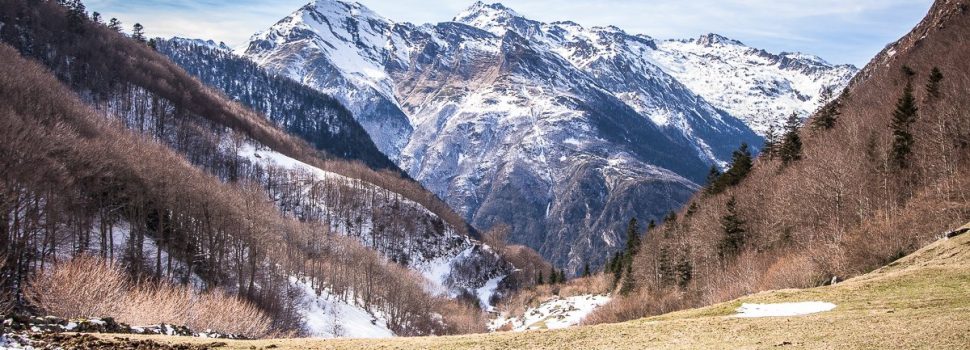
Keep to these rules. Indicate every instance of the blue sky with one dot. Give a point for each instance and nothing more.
(841, 31)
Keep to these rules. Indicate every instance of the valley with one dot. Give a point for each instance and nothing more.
(342, 179)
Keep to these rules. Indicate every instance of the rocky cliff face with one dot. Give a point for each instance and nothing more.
(562, 132)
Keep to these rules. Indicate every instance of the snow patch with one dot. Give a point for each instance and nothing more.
(486, 292)
(327, 317)
(555, 313)
(783, 309)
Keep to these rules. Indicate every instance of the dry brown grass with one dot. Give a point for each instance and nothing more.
(90, 287)
(82, 287)
(919, 302)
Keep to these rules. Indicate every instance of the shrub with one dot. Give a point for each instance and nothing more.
(90, 287)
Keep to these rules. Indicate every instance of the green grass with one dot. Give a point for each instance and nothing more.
(919, 301)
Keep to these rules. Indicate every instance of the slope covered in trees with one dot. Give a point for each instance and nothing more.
(317, 118)
(124, 156)
(870, 178)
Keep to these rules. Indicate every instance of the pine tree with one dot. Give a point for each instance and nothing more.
(617, 268)
(586, 272)
(138, 32)
(629, 283)
(827, 115)
(907, 71)
(903, 117)
(712, 184)
(539, 279)
(553, 276)
(741, 164)
(114, 24)
(691, 210)
(732, 226)
(96, 17)
(76, 15)
(791, 144)
(562, 276)
(770, 148)
(933, 86)
(685, 271)
(632, 238)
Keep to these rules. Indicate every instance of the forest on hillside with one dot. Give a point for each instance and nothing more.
(868, 179)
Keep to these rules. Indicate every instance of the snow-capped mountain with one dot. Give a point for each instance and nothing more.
(562, 132)
(344, 50)
(759, 87)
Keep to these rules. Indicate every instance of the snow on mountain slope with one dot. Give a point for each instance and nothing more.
(453, 263)
(325, 316)
(341, 49)
(555, 313)
(562, 132)
(616, 63)
(759, 87)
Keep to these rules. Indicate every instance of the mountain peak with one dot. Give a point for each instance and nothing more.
(493, 17)
(711, 39)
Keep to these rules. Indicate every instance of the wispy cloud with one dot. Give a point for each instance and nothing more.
(839, 30)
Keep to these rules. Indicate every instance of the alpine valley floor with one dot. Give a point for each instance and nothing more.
(919, 301)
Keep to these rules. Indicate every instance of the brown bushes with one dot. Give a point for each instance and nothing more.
(83, 287)
(844, 208)
(89, 287)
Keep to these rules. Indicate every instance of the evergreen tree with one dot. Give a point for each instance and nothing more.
(827, 117)
(908, 72)
(114, 24)
(691, 210)
(617, 268)
(586, 272)
(629, 283)
(685, 271)
(539, 279)
(562, 276)
(632, 238)
(76, 15)
(828, 114)
(138, 32)
(770, 148)
(732, 226)
(791, 144)
(741, 165)
(553, 276)
(153, 44)
(712, 184)
(96, 17)
(933, 86)
(903, 117)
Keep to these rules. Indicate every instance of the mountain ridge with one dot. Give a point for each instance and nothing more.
(501, 71)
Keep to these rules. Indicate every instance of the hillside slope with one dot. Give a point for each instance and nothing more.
(868, 179)
(135, 161)
(919, 301)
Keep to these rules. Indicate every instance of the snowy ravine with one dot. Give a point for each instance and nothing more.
(562, 132)
(554, 313)
(452, 263)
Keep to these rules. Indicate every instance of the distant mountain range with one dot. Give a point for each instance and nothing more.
(562, 132)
